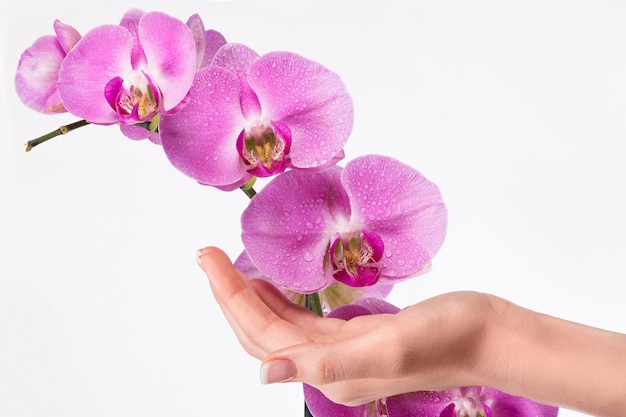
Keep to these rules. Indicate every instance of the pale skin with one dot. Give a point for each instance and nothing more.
(452, 340)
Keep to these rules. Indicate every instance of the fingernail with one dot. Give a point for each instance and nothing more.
(278, 370)
(198, 255)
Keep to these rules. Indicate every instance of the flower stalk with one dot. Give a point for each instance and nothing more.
(312, 302)
(62, 130)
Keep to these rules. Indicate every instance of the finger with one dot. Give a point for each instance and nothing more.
(247, 312)
(291, 312)
(372, 353)
(250, 346)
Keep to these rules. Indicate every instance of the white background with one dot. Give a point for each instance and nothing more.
(517, 110)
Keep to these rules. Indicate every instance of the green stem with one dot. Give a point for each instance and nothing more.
(312, 302)
(249, 192)
(248, 189)
(62, 130)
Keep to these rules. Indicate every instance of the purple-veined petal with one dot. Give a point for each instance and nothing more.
(213, 41)
(231, 187)
(237, 59)
(320, 406)
(421, 404)
(197, 29)
(135, 132)
(372, 305)
(112, 90)
(287, 238)
(170, 53)
(333, 161)
(89, 67)
(67, 36)
(200, 139)
(130, 21)
(37, 75)
(402, 207)
(506, 405)
(307, 97)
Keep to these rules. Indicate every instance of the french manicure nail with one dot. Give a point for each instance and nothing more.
(278, 370)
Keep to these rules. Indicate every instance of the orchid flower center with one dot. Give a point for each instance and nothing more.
(472, 404)
(377, 408)
(136, 99)
(264, 148)
(355, 257)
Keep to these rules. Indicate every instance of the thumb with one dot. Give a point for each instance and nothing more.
(344, 371)
(320, 364)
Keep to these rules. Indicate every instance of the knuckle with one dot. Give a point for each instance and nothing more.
(325, 372)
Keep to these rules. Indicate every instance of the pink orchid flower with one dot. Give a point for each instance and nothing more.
(473, 401)
(331, 297)
(129, 73)
(376, 220)
(38, 69)
(251, 115)
(207, 44)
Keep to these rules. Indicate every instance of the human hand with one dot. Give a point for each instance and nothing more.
(432, 345)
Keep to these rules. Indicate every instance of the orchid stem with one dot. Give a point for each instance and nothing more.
(248, 188)
(62, 130)
(249, 192)
(312, 302)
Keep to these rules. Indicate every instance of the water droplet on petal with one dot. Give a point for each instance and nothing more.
(307, 256)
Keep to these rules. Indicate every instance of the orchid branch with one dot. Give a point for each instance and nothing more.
(62, 130)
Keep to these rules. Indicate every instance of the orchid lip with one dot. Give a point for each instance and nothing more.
(264, 148)
(135, 99)
(355, 256)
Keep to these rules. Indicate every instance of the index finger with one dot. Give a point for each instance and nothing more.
(241, 304)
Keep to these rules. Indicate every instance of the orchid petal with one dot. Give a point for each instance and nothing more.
(213, 41)
(67, 36)
(506, 405)
(37, 75)
(321, 406)
(197, 29)
(130, 21)
(89, 67)
(374, 306)
(421, 404)
(237, 59)
(171, 55)
(333, 161)
(287, 239)
(406, 212)
(200, 143)
(307, 97)
(135, 132)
